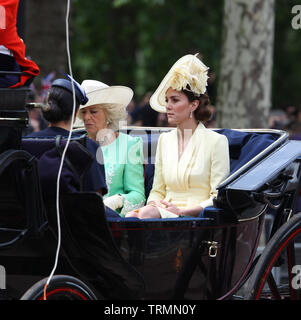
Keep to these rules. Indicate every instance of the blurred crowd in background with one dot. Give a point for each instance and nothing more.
(140, 113)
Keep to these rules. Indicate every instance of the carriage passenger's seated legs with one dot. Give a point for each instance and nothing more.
(111, 213)
(147, 212)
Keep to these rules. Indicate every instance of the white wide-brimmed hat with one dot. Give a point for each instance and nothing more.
(99, 93)
(188, 70)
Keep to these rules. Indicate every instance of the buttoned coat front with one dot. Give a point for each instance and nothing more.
(190, 180)
(123, 159)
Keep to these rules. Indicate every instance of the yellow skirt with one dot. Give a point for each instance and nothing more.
(163, 212)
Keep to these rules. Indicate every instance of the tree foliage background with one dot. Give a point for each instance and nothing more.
(134, 42)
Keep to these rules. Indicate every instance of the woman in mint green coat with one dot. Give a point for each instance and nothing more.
(102, 116)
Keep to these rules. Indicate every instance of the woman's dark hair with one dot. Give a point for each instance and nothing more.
(202, 113)
(60, 101)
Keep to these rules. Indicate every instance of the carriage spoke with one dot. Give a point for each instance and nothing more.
(273, 287)
(275, 275)
(291, 261)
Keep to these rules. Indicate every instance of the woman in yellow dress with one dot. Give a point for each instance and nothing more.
(191, 160)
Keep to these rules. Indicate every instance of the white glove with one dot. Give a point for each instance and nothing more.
(114, 202)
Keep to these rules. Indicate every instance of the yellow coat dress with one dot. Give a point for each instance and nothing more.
(191, 180)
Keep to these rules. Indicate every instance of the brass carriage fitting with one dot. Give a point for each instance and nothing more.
(212, 248)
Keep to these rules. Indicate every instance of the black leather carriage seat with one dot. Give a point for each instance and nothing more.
(22, 210)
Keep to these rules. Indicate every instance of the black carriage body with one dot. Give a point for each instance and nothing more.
(207, 257)
(188, 259)
(126, 258)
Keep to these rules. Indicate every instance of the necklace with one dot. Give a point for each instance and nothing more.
(103, 141)
(182, 143)
(181, 148)
(106, 137)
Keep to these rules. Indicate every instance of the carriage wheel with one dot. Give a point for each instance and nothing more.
(277, 274)
(61, 287)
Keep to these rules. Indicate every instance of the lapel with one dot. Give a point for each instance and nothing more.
(186, 160)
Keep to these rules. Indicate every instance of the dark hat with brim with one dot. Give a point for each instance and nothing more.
(67, 84)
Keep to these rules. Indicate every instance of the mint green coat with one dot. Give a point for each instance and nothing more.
(123, 160)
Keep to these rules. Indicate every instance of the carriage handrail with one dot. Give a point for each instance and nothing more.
(9, 156)
(21, 234)
(267, 168)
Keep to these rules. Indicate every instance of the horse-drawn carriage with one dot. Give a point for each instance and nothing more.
(212, 256)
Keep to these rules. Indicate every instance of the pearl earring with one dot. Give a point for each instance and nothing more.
(190, 116)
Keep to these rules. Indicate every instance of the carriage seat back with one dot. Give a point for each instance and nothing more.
(243, 147)
(48, 151)
(22, 210)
